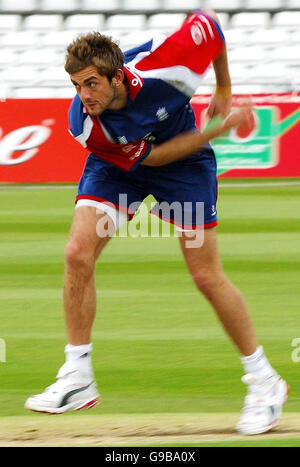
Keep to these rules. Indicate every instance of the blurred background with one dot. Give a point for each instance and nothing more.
(158, 347)
(263, 39)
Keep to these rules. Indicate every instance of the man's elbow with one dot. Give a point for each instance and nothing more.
(153, 159)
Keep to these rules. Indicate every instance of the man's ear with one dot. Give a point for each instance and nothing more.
(118, 78)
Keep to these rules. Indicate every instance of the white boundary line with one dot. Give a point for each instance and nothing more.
(16, 186)
(257, 185)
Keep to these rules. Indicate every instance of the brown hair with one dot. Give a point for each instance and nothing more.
(94, 49)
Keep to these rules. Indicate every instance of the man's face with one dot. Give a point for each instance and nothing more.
(95, 91)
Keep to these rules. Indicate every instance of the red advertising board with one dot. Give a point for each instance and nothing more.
(36, 147)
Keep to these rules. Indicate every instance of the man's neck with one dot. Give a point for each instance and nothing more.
(121, 97)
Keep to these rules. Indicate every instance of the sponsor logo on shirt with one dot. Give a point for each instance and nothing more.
(139, 151)
(122, 139)
(162, 114)
(196, 34)
(128, 147)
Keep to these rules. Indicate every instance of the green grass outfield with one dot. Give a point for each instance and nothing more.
(158, 348)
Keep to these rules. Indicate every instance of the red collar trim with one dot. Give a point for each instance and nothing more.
(135, 82)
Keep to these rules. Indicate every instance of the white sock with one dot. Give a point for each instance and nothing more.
(257, 364)
(80, 357)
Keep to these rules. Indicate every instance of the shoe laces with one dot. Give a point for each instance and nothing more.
(63, 374)
(60, 383)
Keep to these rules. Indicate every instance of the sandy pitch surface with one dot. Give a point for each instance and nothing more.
(132, 430)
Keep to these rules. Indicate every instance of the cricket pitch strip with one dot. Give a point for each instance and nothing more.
(73, 430)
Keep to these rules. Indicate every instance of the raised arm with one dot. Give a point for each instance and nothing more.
(221, 100)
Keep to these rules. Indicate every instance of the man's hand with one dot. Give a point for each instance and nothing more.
(240, 116)
(220, 103)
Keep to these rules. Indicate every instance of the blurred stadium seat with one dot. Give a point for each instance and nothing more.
(165, 22)
(12, 75)
(128, 22)
(248, 54)
(40, 57)
(58, 39)
(58, 5)
(10, 23)
(33, 93)
(285, 53)
(180, 5)
(295, 38)
(84, 23)
(270, 37)
(249, 89)
(251, 20)
(287, 19)
(292, 4)
(269, 74)
(55, 76)
(93, 5)
(20, 39)
(7, 57)
(42, 23)
(225, 4)
(236, 37)
(17, 5)
(238, 72)
(264, 4)
(129, 5)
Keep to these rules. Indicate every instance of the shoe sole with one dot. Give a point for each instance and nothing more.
(70, 407)
(269, 427)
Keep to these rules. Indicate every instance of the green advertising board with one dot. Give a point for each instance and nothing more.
(258, 149)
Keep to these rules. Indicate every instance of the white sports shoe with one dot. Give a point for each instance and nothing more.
(71, 391)
(263, 404)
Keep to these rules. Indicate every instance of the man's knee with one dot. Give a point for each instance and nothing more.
(79, 256)
(207, 279)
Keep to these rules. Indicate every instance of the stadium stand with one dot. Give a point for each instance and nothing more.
(42, 23)
(251, 20)
(19, 6)
(263, 4)
(263, 39)
(292, 4)
(133, 5)
(58, 5)
(84, 23)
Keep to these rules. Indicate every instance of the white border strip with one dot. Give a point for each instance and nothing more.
(258, 185)
(16, 186)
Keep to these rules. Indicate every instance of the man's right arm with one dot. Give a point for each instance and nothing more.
(185, 144)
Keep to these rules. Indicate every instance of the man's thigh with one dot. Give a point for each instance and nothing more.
(103, 189)
(200, 250)
(91, 230)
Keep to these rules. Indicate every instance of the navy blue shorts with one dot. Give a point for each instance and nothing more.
(189, 187)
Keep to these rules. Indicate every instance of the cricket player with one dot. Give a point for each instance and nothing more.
(132, 113)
